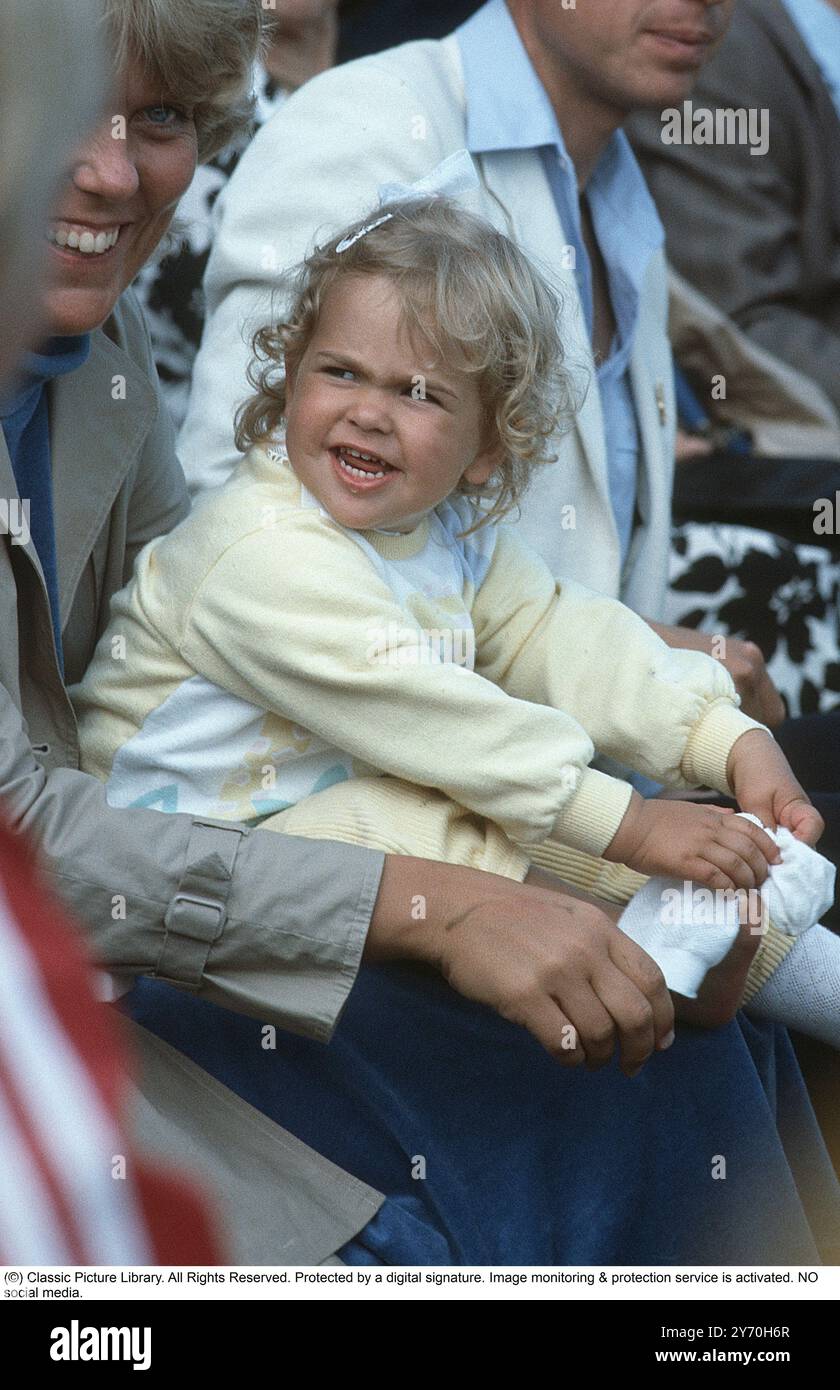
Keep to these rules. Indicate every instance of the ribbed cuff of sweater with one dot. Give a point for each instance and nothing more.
(615, 883)
(710, 743)
(590, 818)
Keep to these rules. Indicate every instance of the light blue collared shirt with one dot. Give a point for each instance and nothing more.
(819, 25)
(508, 109)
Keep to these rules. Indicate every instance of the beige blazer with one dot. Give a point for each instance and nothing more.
(317, 164)
(270, 926)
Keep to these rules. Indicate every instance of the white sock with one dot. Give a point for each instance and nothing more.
(804, 992)
(685, 928)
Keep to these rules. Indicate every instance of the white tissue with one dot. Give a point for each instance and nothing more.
(688, 929)
(800, 889)
(683, 941)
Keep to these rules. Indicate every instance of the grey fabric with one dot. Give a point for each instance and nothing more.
(760, 234)
(288, 944)
(277, 1202)
(197, 915)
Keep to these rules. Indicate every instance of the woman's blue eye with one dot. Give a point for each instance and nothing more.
(342, 372)
(151, 112)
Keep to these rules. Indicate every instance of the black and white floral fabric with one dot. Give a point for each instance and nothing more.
(170, 284)
(747, 583)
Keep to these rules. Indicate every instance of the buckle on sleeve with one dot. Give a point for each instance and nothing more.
(191, 914)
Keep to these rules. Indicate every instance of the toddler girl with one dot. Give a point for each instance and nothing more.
(345, 642)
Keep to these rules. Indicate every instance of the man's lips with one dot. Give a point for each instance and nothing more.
(691, 43)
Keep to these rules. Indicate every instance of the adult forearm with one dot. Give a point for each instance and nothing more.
(419, 901)
(268, 925)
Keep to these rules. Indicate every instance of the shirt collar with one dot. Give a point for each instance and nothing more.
(508, 109)
(507, 105)
(58, 356)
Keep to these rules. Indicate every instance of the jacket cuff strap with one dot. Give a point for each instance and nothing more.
(197, 912)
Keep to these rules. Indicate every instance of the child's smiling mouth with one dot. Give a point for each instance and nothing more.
(360, 471)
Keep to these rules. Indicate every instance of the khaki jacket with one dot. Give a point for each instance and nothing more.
(270, 926)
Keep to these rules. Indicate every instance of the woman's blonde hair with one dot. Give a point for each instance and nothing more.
(467, 291)
(201, 51)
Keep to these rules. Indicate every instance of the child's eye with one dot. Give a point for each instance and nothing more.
(421, 394)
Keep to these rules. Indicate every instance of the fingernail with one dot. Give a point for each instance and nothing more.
(667, 1040)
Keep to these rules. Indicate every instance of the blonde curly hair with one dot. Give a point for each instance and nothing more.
(467, 291)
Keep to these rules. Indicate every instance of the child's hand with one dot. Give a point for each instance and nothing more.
(763, 783)
(704, 844)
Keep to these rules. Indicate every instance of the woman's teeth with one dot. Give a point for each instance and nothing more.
(89, 243)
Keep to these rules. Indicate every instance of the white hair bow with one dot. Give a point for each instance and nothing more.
(453, 176)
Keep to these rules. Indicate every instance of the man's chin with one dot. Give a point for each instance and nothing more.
(670, 89)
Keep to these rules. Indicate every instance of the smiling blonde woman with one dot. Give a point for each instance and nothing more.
(86, 446)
